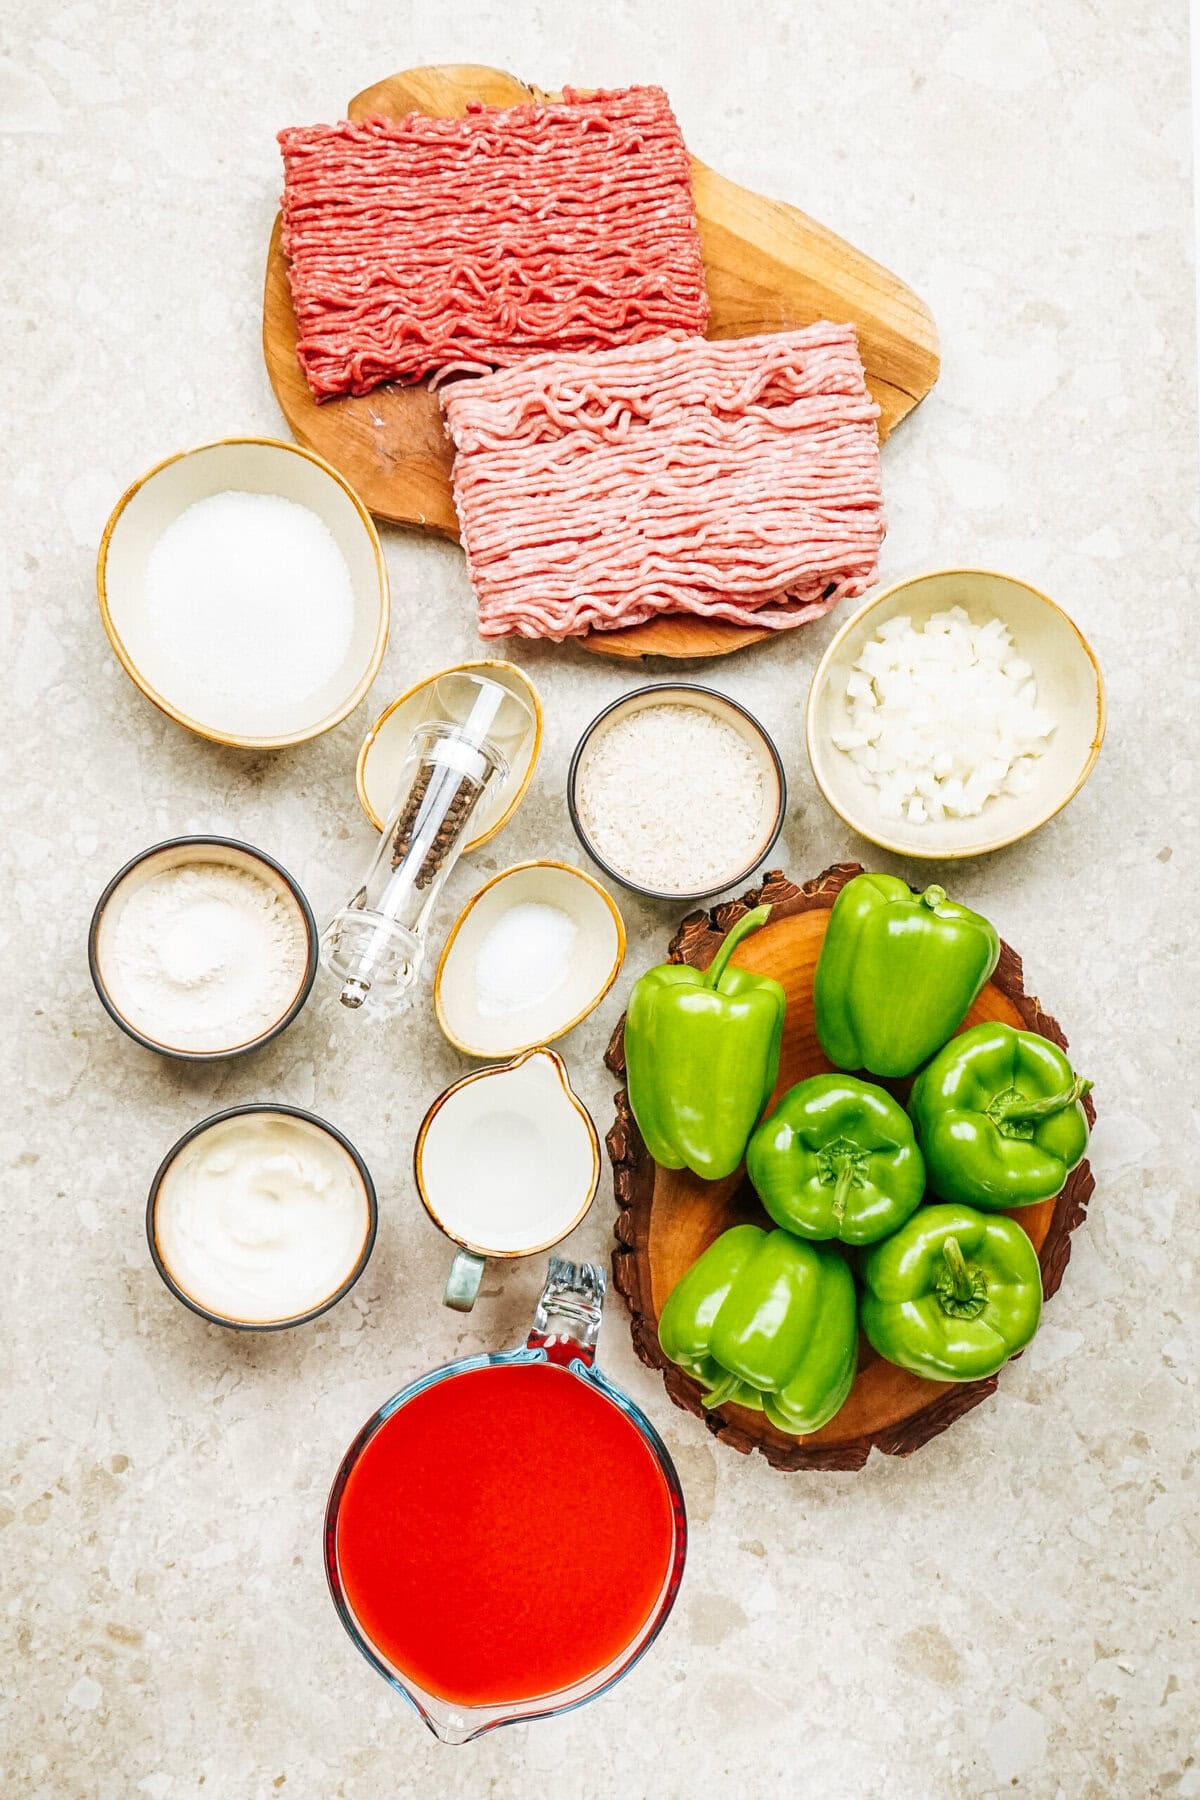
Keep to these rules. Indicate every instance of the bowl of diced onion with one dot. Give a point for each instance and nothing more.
(954, 713)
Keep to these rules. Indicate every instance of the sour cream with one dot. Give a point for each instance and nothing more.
(261, 1218)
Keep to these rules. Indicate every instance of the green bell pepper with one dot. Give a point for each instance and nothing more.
(897, 974)
(765, 1321)
(999, 1118)
(837, 1159)
(702, 1056)
(953, 1294)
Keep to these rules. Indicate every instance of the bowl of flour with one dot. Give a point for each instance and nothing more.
(244, 590)
(203, 947)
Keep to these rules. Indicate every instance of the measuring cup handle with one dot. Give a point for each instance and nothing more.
(462, 1283)
(566, 1324)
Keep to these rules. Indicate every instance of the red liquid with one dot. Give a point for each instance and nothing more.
(507, 1533)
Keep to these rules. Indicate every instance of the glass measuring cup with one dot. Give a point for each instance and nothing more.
(499, 1576)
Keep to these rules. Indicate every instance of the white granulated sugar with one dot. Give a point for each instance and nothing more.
(250, 607)
(203, 956)
(673, 798)
(942, 718)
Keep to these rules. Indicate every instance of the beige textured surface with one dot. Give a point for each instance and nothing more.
(1013, 1610)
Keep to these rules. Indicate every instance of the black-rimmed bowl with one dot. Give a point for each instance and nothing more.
(180, 852)
(285, 1323)
(749, 729)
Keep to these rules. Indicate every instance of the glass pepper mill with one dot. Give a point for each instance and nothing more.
(472, 730)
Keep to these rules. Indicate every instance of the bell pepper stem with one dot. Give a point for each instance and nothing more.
(956, 1262)
(933, 897)
(841, 1192)
(1018, 1107)
(733, 937)
(961, 1287)
(727, 1385)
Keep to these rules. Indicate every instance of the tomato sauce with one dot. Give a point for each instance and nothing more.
(507, 1533)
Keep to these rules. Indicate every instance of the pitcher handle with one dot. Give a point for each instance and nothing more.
(462, 1283)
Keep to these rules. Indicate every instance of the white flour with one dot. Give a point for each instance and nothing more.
(203, 956)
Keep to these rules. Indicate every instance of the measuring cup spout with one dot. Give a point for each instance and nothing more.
(451, 1724)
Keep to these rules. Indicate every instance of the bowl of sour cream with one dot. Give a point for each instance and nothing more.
(262, 1216)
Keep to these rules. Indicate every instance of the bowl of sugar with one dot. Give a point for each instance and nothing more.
(530, 956)
(244, 589)
(954, 714)
(202, 948)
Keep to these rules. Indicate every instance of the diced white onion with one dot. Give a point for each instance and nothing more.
(942, 718)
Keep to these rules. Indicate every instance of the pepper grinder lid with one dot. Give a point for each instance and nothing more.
(481, 713)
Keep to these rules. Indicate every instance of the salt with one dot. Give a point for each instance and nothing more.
(249, 604)
(523, 958)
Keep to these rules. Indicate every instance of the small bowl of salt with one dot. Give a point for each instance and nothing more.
(203, 947)
(244, 590)
(529, 957)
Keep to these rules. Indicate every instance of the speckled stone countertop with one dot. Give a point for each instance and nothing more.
(1013, 1609)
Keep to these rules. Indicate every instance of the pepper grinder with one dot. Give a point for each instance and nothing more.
(472, 731)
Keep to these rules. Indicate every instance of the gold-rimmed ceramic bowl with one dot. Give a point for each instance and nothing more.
(1070, 690)
(507, 1163)
(243, 465)
(383, 750)
(471, 1020)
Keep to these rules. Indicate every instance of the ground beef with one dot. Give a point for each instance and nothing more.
(419, 244)
(735, 480)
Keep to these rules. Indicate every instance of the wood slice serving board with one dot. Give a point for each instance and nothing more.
(768, 268)
(668, 1217)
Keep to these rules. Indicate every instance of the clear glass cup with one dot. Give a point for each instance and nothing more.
(566, 1326)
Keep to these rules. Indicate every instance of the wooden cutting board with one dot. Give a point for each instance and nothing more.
(669, 1216)
(768, 267)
